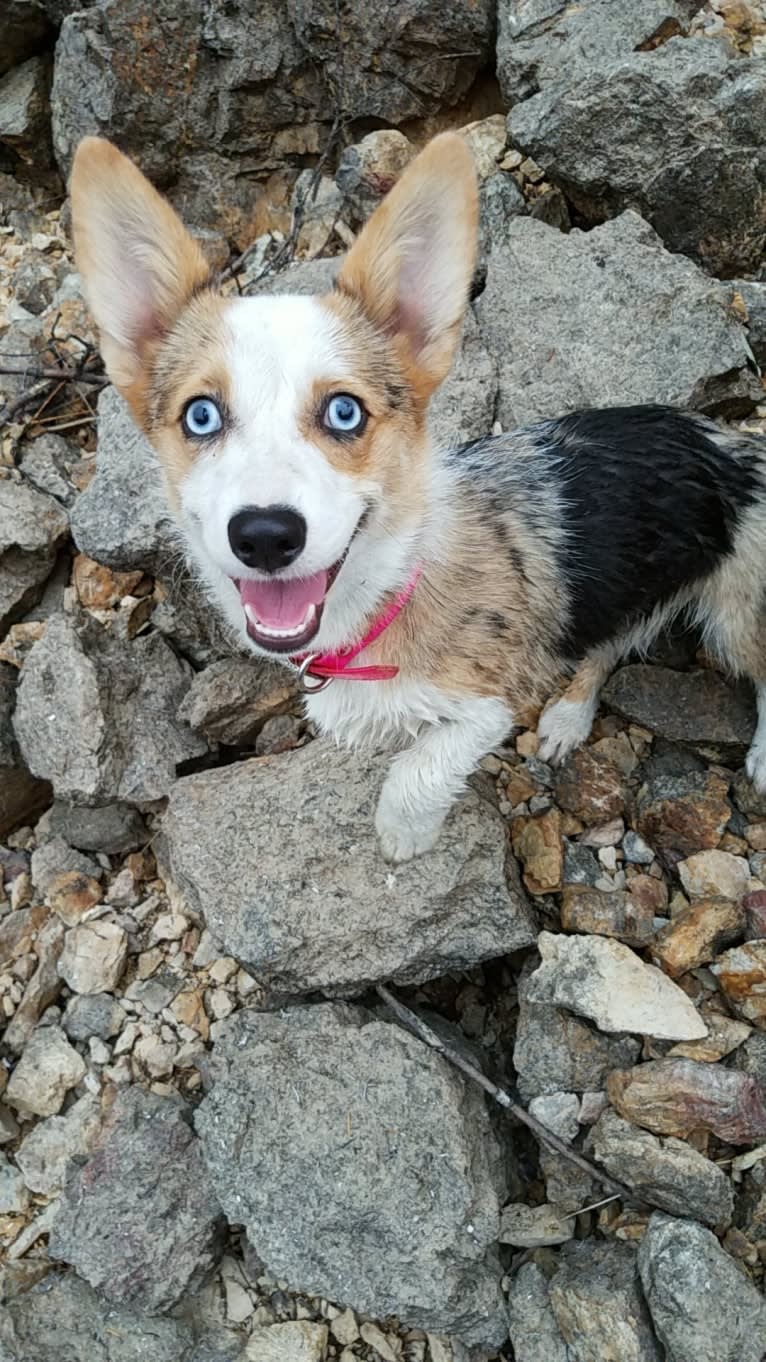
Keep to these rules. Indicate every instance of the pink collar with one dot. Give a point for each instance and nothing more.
(325, 667)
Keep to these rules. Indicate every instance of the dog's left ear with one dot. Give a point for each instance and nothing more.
(138, 263)
(412, 265)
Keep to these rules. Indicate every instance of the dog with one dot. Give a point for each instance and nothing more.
(426, 597)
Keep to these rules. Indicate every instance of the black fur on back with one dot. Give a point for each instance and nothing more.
(651, 497)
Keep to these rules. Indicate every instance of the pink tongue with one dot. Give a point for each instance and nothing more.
(283, 605)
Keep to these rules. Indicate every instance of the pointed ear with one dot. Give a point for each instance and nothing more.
(411, 266)
(138, 263)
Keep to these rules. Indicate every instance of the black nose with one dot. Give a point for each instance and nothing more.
(269, 537)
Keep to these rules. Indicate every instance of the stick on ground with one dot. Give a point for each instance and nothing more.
(424, 1032)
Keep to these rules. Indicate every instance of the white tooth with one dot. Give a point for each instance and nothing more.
(281, 633)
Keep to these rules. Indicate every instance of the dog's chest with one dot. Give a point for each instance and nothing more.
(371, 713)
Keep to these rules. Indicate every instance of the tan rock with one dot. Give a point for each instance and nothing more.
(71, 894)
(604, 980)
(47, 1070)
(714, 874)
(298, 1341)
(94, 956)
(590, 787)
(697, 935)
(538, 844)
(678, 1096)
(189, 1008)
(724, 1034)
(616, 914)
(98, 587)
(741, 974)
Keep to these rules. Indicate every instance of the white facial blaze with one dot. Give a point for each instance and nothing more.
(279, 347)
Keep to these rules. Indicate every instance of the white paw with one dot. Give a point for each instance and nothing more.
(562, 728)
(401, 836)
(755, 766)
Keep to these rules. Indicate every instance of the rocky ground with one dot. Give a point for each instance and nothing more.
(219, 1144)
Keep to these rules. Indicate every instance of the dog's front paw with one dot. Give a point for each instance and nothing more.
(401, 836)
(563, 728)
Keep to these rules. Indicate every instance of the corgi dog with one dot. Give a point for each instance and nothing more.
(426, 596)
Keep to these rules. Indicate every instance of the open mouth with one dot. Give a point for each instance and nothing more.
(284, 616)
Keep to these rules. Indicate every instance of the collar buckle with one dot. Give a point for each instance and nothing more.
(316, 683)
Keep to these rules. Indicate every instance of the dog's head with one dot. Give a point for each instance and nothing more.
(291, 430)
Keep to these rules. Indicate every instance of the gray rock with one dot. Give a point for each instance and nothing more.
(754, 297)
(598, 1305)
(703, 1306)
(627, 135)
(636, 850)
(540, 41)
(121, 519)
(362, 1165)
(191, 622)
(21, 795)
(34, 287)
(500, 199)
(24, 30)
(463, 408)
(63, 1320)
(93, 1014)
(139, 1221)
(112, 828)
(617, 285)
(45, 464)
(698, 707)
(535, 1335)
(230, 700)
(302, 277)
(555, 1051)
(14, 1196)
(32, 527)
(580, 864)
(295, 896)
(25, 111)
(155, 993)
(275, 78)
(54, 858)
(666, 1172)
(534, 1226)
(97, 715)
(45, 1152)
(751, 1057)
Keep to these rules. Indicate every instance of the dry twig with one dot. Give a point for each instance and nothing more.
(424, 1032)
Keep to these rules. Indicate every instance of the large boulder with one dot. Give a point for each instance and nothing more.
(676, 133)
(139, 1219)
(362, 1165)
(259, 83)
(281, 857)
(608, 318)
(540, 41)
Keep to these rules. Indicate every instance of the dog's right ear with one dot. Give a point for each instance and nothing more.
(138, 263)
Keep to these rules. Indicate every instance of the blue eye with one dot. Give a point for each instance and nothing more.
(343, 415)
(202, 416)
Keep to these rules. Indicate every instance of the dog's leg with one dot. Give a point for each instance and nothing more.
(424, 781)
(567, 724)
(755, 762)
